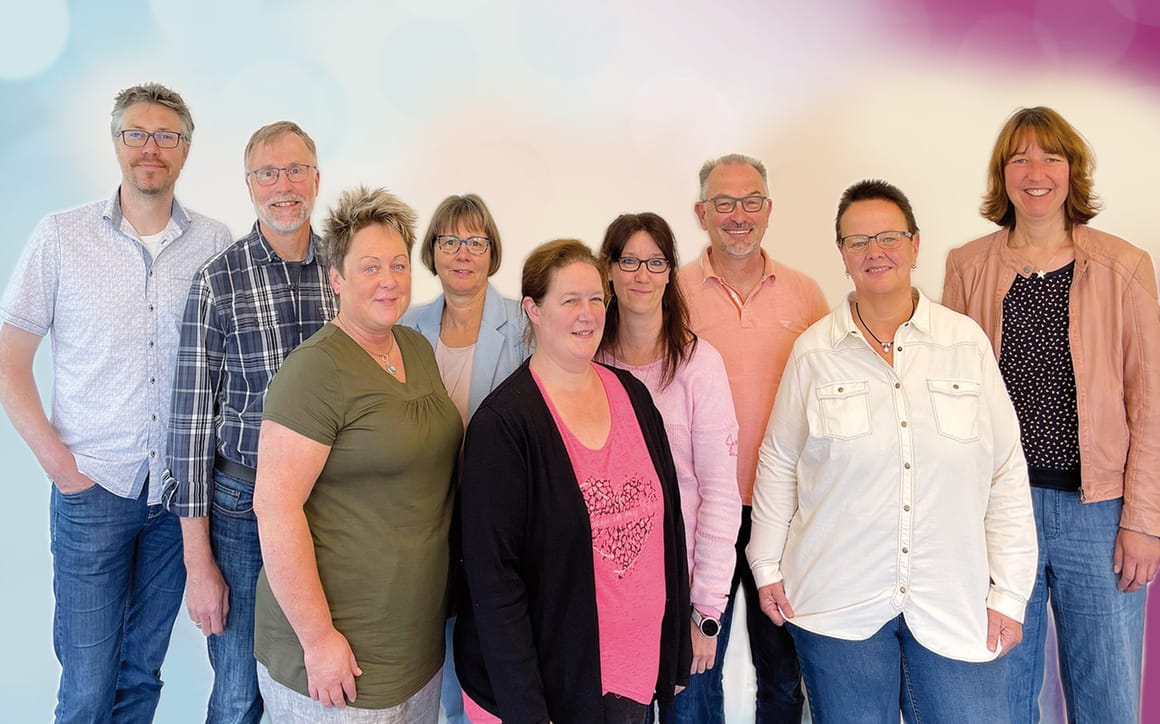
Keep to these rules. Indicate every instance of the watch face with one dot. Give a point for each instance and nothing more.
(709, 627)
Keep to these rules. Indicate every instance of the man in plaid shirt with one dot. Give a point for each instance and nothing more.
(249, 306)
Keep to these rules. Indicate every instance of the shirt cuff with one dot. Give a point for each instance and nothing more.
(188, 500)
(1007, 604)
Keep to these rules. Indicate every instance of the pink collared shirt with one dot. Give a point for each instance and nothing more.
(754, 336)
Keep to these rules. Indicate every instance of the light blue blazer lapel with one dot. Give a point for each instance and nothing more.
(493, 356)
(426, 319)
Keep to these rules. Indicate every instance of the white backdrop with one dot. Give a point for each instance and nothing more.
(561, 118)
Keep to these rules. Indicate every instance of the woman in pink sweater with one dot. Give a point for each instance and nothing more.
(646, 332)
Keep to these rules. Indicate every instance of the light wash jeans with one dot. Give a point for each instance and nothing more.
(118, 578)
(1100, 629)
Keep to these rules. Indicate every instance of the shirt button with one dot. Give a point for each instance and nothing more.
(902, 589)
(905, 549)
(904, 423)
(152, 380)
(906, 465)
(841, 389)
(153, 417)
(899, 348)
(954, 387)
(897, 385)
(152, 453)
(906, 508)
(150, 307)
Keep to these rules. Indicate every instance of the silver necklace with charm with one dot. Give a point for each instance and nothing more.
(385, 357)
(1043, 269)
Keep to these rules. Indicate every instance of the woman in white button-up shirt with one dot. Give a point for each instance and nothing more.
(892, 521)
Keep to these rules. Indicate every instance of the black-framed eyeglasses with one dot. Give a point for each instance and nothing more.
(135, 138)
(656, 265)
(268, 175)
(885, 239)
(725, 204)
(450, 243)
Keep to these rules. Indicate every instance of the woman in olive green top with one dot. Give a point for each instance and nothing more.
(353, 494)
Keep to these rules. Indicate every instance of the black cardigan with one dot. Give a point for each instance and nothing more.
(526, 643)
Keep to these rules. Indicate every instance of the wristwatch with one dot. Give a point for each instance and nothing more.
(708, 625)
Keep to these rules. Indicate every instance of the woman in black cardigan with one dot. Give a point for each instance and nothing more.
(578, 598)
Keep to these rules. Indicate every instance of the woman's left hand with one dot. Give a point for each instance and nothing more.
(704, 651)
(1135, 559)
(1003, 632)
(331, 669)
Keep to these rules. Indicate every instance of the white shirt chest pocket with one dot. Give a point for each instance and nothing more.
(845, 409)
(956, 408)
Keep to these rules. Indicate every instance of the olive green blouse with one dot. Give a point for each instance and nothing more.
(379, 513)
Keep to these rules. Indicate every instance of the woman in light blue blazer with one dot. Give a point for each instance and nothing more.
(478, 335)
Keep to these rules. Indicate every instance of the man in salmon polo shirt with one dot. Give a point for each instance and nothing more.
(751, 309)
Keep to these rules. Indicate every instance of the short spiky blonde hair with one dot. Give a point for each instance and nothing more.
(358, 208)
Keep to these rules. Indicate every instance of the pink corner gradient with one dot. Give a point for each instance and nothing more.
(1119, 37)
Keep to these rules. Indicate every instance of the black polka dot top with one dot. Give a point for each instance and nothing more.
(1035, 359)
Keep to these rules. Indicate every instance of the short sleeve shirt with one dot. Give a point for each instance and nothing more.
(379, 514)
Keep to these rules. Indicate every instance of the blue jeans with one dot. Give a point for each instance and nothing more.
(451, 695)
(1100, 629)
(234, 538)
(872, 681)
(779, 695)
(118, 577)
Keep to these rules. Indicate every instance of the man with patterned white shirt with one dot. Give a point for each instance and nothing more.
(248, 308)
(109, 281)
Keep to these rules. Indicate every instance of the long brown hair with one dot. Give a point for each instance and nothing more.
(677, 339)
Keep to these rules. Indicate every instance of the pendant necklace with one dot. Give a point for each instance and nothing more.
(1042, 269)
(884, 345)
(386, 358)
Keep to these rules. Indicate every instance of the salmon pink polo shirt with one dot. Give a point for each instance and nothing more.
(754, 336)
